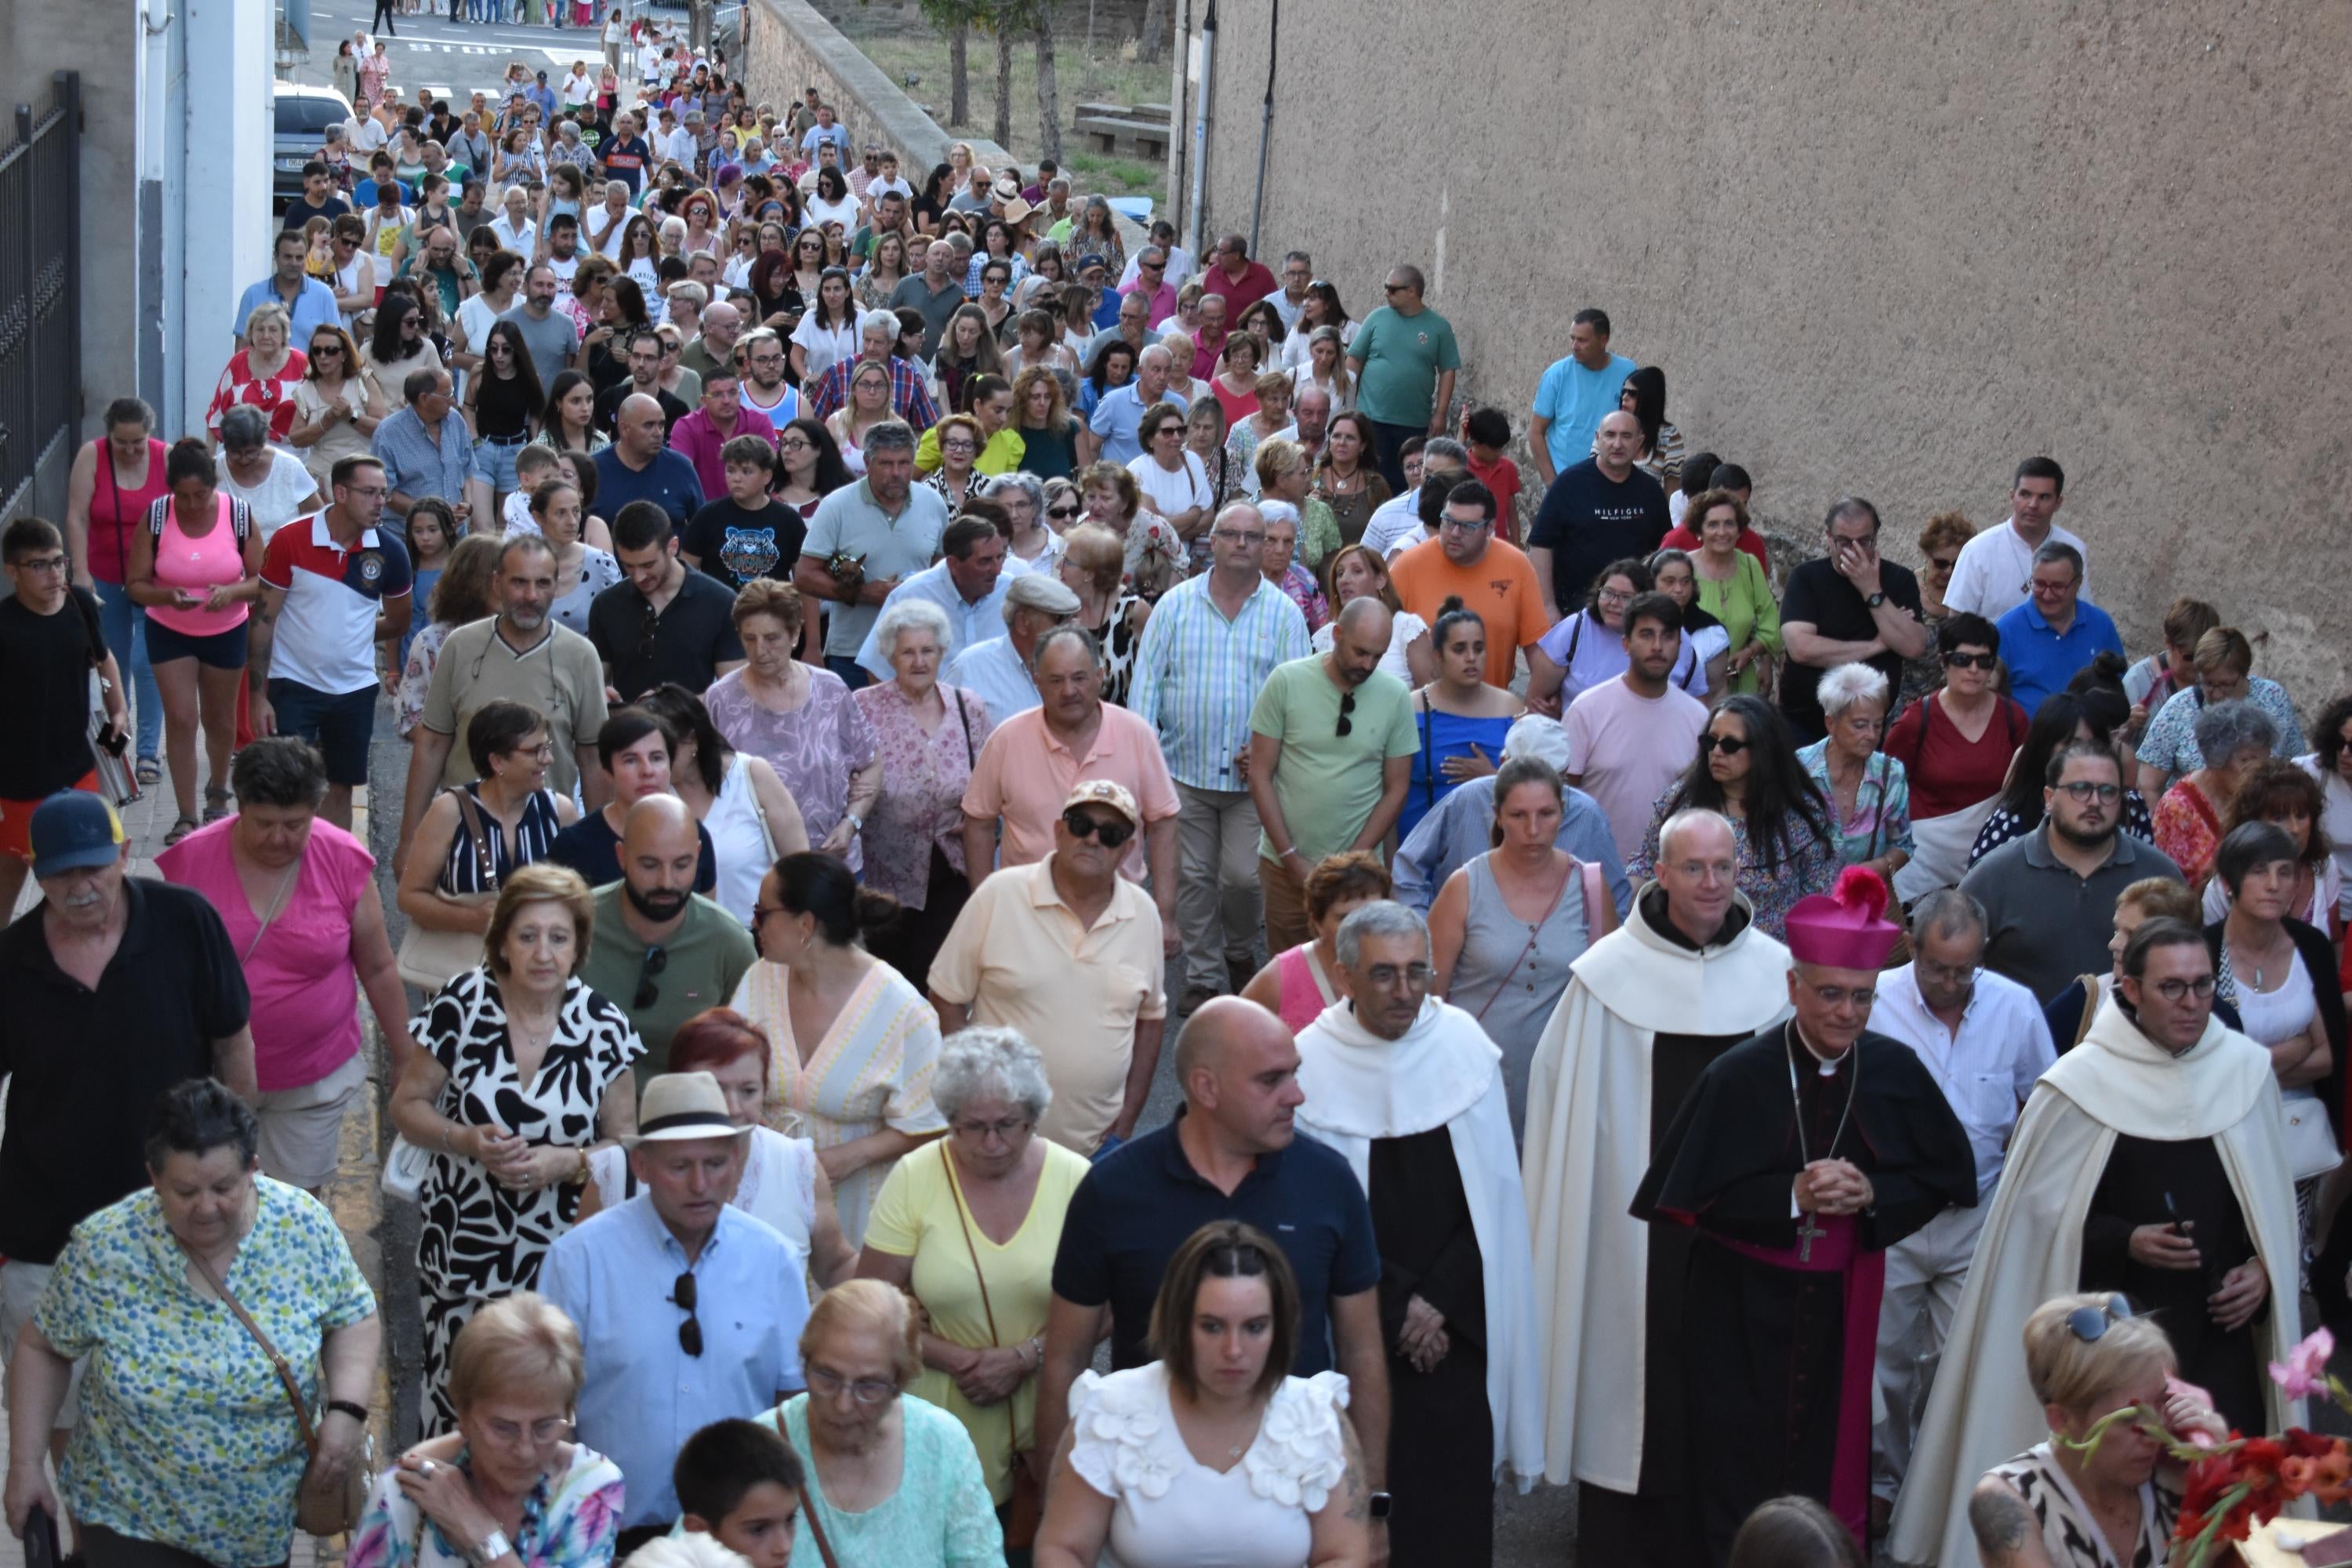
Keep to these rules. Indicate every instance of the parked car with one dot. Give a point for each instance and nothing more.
(303, 114)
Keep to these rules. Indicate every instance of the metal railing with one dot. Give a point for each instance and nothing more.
(40, 289)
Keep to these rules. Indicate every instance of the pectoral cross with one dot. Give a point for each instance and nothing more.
(1807, 1232)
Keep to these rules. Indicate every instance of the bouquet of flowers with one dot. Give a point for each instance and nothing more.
(2234, 1485)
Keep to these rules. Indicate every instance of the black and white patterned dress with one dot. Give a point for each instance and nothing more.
(480, 1242)
(2069, 1533)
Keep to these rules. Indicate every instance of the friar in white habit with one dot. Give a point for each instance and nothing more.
(1409, 1090)
(1686, 977)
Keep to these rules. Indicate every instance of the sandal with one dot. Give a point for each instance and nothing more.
(150, 771)
(216, 804)
(180, 829)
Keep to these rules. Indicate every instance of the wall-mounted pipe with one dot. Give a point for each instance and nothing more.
(1265, 126)
(1193, 224)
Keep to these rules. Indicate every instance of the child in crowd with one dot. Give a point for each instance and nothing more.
(739, 1482)
(534, 465)
(1487, 431)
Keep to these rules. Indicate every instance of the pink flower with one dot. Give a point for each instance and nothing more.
(2305, 1371)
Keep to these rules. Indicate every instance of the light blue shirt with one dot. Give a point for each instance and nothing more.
(1119, 417)
(1457, 832)
(2042, 661)
(313, 307)
(615, 1278)
(968, 621)
(1197, 675)
(1576, 400)
(994, 672)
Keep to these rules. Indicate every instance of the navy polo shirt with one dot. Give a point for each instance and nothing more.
(1137, 1208)
(669, 482)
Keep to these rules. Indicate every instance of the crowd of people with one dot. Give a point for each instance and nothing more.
(1767, 1042)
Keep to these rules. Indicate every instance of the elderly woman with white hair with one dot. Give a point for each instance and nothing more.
(1461, 828)
(970, 1226)
(927, 736)
(1868, 789)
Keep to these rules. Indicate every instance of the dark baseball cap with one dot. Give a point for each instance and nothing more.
(73, 829)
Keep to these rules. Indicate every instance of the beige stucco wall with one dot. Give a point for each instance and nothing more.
(1889, 249)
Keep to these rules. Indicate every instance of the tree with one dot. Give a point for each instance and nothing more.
(1001, 128)
(1008, 20)
(955, 18)
(1154, 43)
(1049, 90)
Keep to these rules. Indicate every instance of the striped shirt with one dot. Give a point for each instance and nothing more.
(1197, 675)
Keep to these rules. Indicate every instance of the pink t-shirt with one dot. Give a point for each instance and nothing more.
(1628, 750)
(1025, 775)
(305, 988)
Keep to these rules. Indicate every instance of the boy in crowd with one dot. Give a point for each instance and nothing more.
(740, 1483)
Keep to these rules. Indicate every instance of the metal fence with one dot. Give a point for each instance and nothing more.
(40, 289)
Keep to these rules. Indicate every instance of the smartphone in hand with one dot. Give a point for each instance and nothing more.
(40, 1539)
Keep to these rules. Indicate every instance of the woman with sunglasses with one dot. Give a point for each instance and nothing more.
(524, 1075)
(1955, 746)
(335, 410)
(1939, 552)
(1747, 768)
(398, 345)
(502, 402)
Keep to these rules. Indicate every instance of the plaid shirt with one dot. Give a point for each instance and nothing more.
(909, 398)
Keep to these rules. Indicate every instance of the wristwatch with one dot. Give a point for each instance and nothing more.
(1381, 1503)
(1875, 600)
(356, 1412)
(489, 1549)
(856, 822)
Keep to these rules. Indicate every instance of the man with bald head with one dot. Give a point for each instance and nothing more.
(1685, 978)
(639, 465)
(1601, 509)
(661, 951)
(1231, 1153)
(1330, 753)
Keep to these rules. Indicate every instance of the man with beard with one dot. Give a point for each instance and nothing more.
(1408, 1089)
(521, 655)
(1630, 739)
(1655, 1002)
(1795, 1202)
(653, 909)
(2151, 1161)
(1330, 754)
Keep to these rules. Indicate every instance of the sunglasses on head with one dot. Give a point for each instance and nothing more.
(2089, 1324)
(1729, 745)
(1112, 833)
(1970, 660)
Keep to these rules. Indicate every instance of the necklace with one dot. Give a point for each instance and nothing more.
(1808, 1229)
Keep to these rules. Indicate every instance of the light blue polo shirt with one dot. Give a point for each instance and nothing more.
(313, 307)
(1576, 400)
(2040, 660)
(1118, 418)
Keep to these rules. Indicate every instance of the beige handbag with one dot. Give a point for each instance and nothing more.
(429, 959)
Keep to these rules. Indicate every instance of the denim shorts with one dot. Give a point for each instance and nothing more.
(340, 725)
(494, 462)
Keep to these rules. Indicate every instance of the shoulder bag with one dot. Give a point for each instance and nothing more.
(1591, 874)
(431, 959)
(808, 1514)
(317, 1510)
(1024, 1508)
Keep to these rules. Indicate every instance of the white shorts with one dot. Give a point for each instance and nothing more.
(21, 1285)
(302, 1128)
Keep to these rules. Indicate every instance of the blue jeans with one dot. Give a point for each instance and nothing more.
(854, 675)
(124, 626)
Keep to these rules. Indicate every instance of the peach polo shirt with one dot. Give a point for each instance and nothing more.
(1023, 775)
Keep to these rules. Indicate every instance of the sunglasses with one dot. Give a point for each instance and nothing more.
(1347, 713)
(2089, 1324)
(656, 960)
(1062, 511)
(1944, 564)
(1112, 834)
(689, 1332)
(1729, 745)
(1970, 660)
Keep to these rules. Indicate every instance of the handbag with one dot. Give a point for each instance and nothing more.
(1025, 1509)
(116, 780)
(405, 1165)
(429, 959)
(317, 1510)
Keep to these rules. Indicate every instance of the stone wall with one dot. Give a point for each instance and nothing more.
(1884, 250)
(790, 46)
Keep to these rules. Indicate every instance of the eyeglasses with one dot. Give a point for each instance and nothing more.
(1005, 1129)
(1471, 525)
(2181, 990)
(1971, 660)
(682, 1294)
(1347, 713)
(41, 563)
(2089, 1324)
(544, 752)
(866, 1391)
(656, 959)
(1838, 996)
(1729, 745)
(1233, 536)
(1111, 832)
(2085, 791)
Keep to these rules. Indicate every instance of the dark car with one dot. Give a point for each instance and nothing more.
(304, 115)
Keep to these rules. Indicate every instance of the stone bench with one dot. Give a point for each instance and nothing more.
(1124, 134)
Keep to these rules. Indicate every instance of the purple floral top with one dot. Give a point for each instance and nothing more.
(923, 780)
(569, 1520)
(814, 749)
(1299, 583)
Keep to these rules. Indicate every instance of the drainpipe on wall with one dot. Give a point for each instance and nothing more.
(1266, 127)
(1193, 221)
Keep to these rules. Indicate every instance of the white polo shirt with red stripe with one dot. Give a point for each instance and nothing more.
(325, 634)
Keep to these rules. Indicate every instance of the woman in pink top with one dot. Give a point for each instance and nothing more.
(296, 895)
(195, 566)
(1297, 983)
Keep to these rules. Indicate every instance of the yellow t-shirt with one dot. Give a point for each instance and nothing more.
(914, 1215)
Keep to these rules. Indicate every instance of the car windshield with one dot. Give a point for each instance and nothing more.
(309, 116)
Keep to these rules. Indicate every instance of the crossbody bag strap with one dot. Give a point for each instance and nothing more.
(277, 1361)
(1428, 762)
(1534, 932)
(486, 862)
(963, 1222)
(971, 758)
(809, 1512)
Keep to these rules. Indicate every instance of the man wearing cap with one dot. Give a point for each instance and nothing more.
(1650, 1006)
(118, 987)
(1797, 1182)
(1000, 671)
(689, 1310)
(1458, 830)
(1070, 952)
(660, 950)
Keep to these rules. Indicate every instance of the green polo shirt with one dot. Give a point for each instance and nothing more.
(701, 964)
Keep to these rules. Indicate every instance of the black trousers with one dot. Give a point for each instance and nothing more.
(382, 23)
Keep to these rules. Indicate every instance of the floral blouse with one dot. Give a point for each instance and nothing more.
(273, 394)
(187, 1439)
(1882, 805)
(1298, 583)
(923, 780)
(2188, 830)
(814, 749)
(569, 1520)
(416, 673)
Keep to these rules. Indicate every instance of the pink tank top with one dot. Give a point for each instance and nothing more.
(211, 560)
(115, 514)
(1302, 999)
